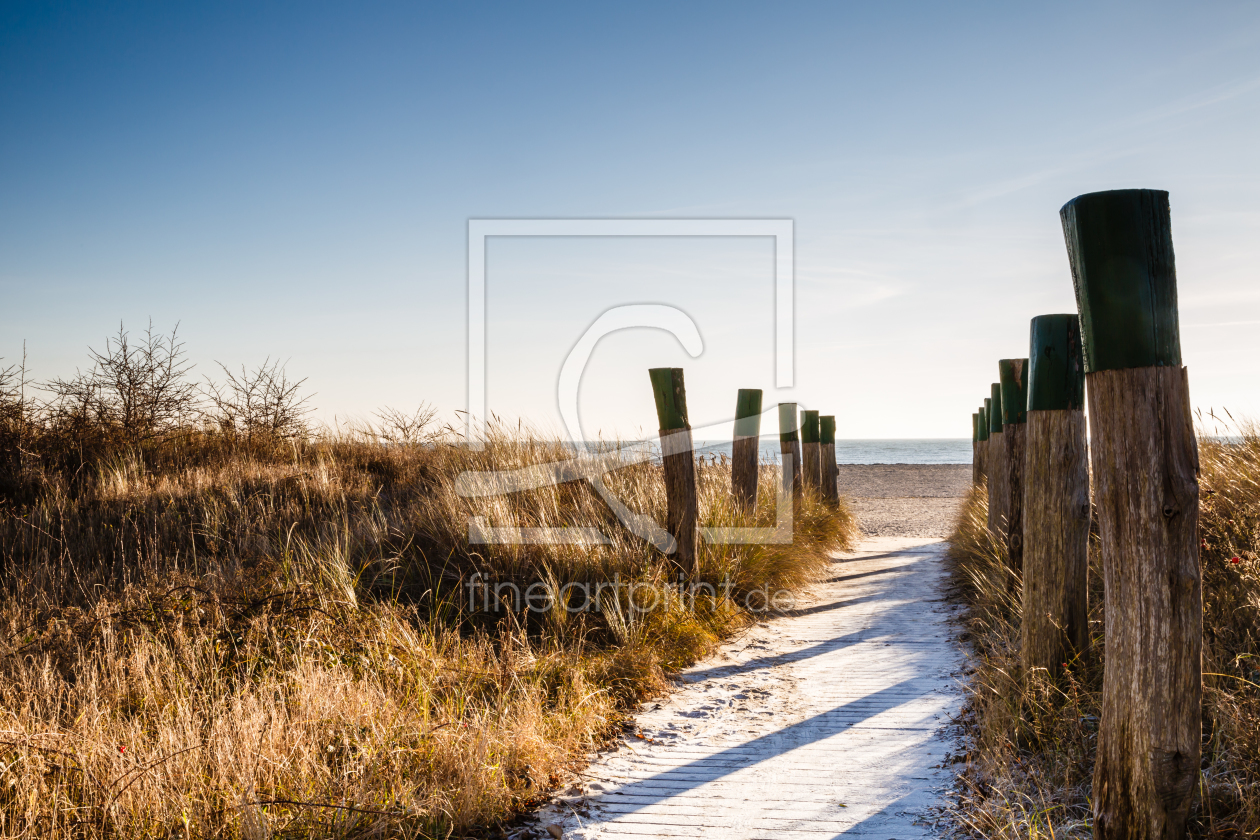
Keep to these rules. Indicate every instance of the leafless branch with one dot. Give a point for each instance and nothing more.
(262, 402)
(141, 390)
(398, 426)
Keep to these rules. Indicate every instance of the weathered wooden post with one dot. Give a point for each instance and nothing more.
(745, 457)
(984, 440)
(1056, 498)
(679, 464)
(1145, 461)
(830, 472)
(790, 450)
(975, 448)
(982, 430)
(1014, 378)
(811, 451)
(997, 461)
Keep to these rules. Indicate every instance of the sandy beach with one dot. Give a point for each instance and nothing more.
(905, 500)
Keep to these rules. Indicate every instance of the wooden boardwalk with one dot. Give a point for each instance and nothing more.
(825, 724)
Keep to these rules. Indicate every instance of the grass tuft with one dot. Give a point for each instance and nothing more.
(1030, 741)
(220, 637)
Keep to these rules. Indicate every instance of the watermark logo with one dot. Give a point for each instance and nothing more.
(637, 597)
(587, 463)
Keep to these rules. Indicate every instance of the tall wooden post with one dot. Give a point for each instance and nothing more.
(679, 464)
(1145, 461)
(975, 448)
(982, 447)
(997, 462)
(1014, 378)
(830, 472)
(790, 450)
(982, 431)
(1056, 498)
(811, 451)
(745, 457)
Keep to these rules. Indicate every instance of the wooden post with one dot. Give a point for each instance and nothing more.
(982, 447)
(1014, 378)
(983, 432)
(745, 457)
(997, 461)
(830, 472)
(790, 450)
(679, 464)
(811, 451)
(1056, 498)
(975, 448)
(1145, 462)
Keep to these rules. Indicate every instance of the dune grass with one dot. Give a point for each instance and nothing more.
(218, 638)
(1027, 771)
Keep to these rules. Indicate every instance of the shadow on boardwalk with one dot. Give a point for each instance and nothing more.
(827, 724)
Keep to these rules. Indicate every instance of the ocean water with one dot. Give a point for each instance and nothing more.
(887, 451)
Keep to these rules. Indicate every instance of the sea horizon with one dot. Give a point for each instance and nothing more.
(868, 450)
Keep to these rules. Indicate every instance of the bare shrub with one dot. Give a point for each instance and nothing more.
(10, 396)
(134, 392)
(398, 427)
(260, 403)
(12, 414)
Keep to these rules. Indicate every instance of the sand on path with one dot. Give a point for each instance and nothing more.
(825, 723)
(905, 500)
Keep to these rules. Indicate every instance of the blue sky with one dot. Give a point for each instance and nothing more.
(295, 180)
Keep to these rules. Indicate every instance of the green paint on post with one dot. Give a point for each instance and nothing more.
(809, 427)
(975, 428)
(671, 398)
(827, 429)
(1056, 371)
(1014, 376)
(984, 421)
(995, 409)
(787, 422)
(1120, 247)
(748, 412)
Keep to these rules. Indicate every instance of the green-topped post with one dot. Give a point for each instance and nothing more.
(982, 450)
(1145, 471)
(790, 449)
(679, 464)
(984, 443)
(811, 451)
(830, 471)
(1013, 374)
(745, 455)
(997, 460)
(1055, 623)
(975, 448)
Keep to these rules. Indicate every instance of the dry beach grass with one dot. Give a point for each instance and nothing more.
(1027, 772)
(203, 635)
